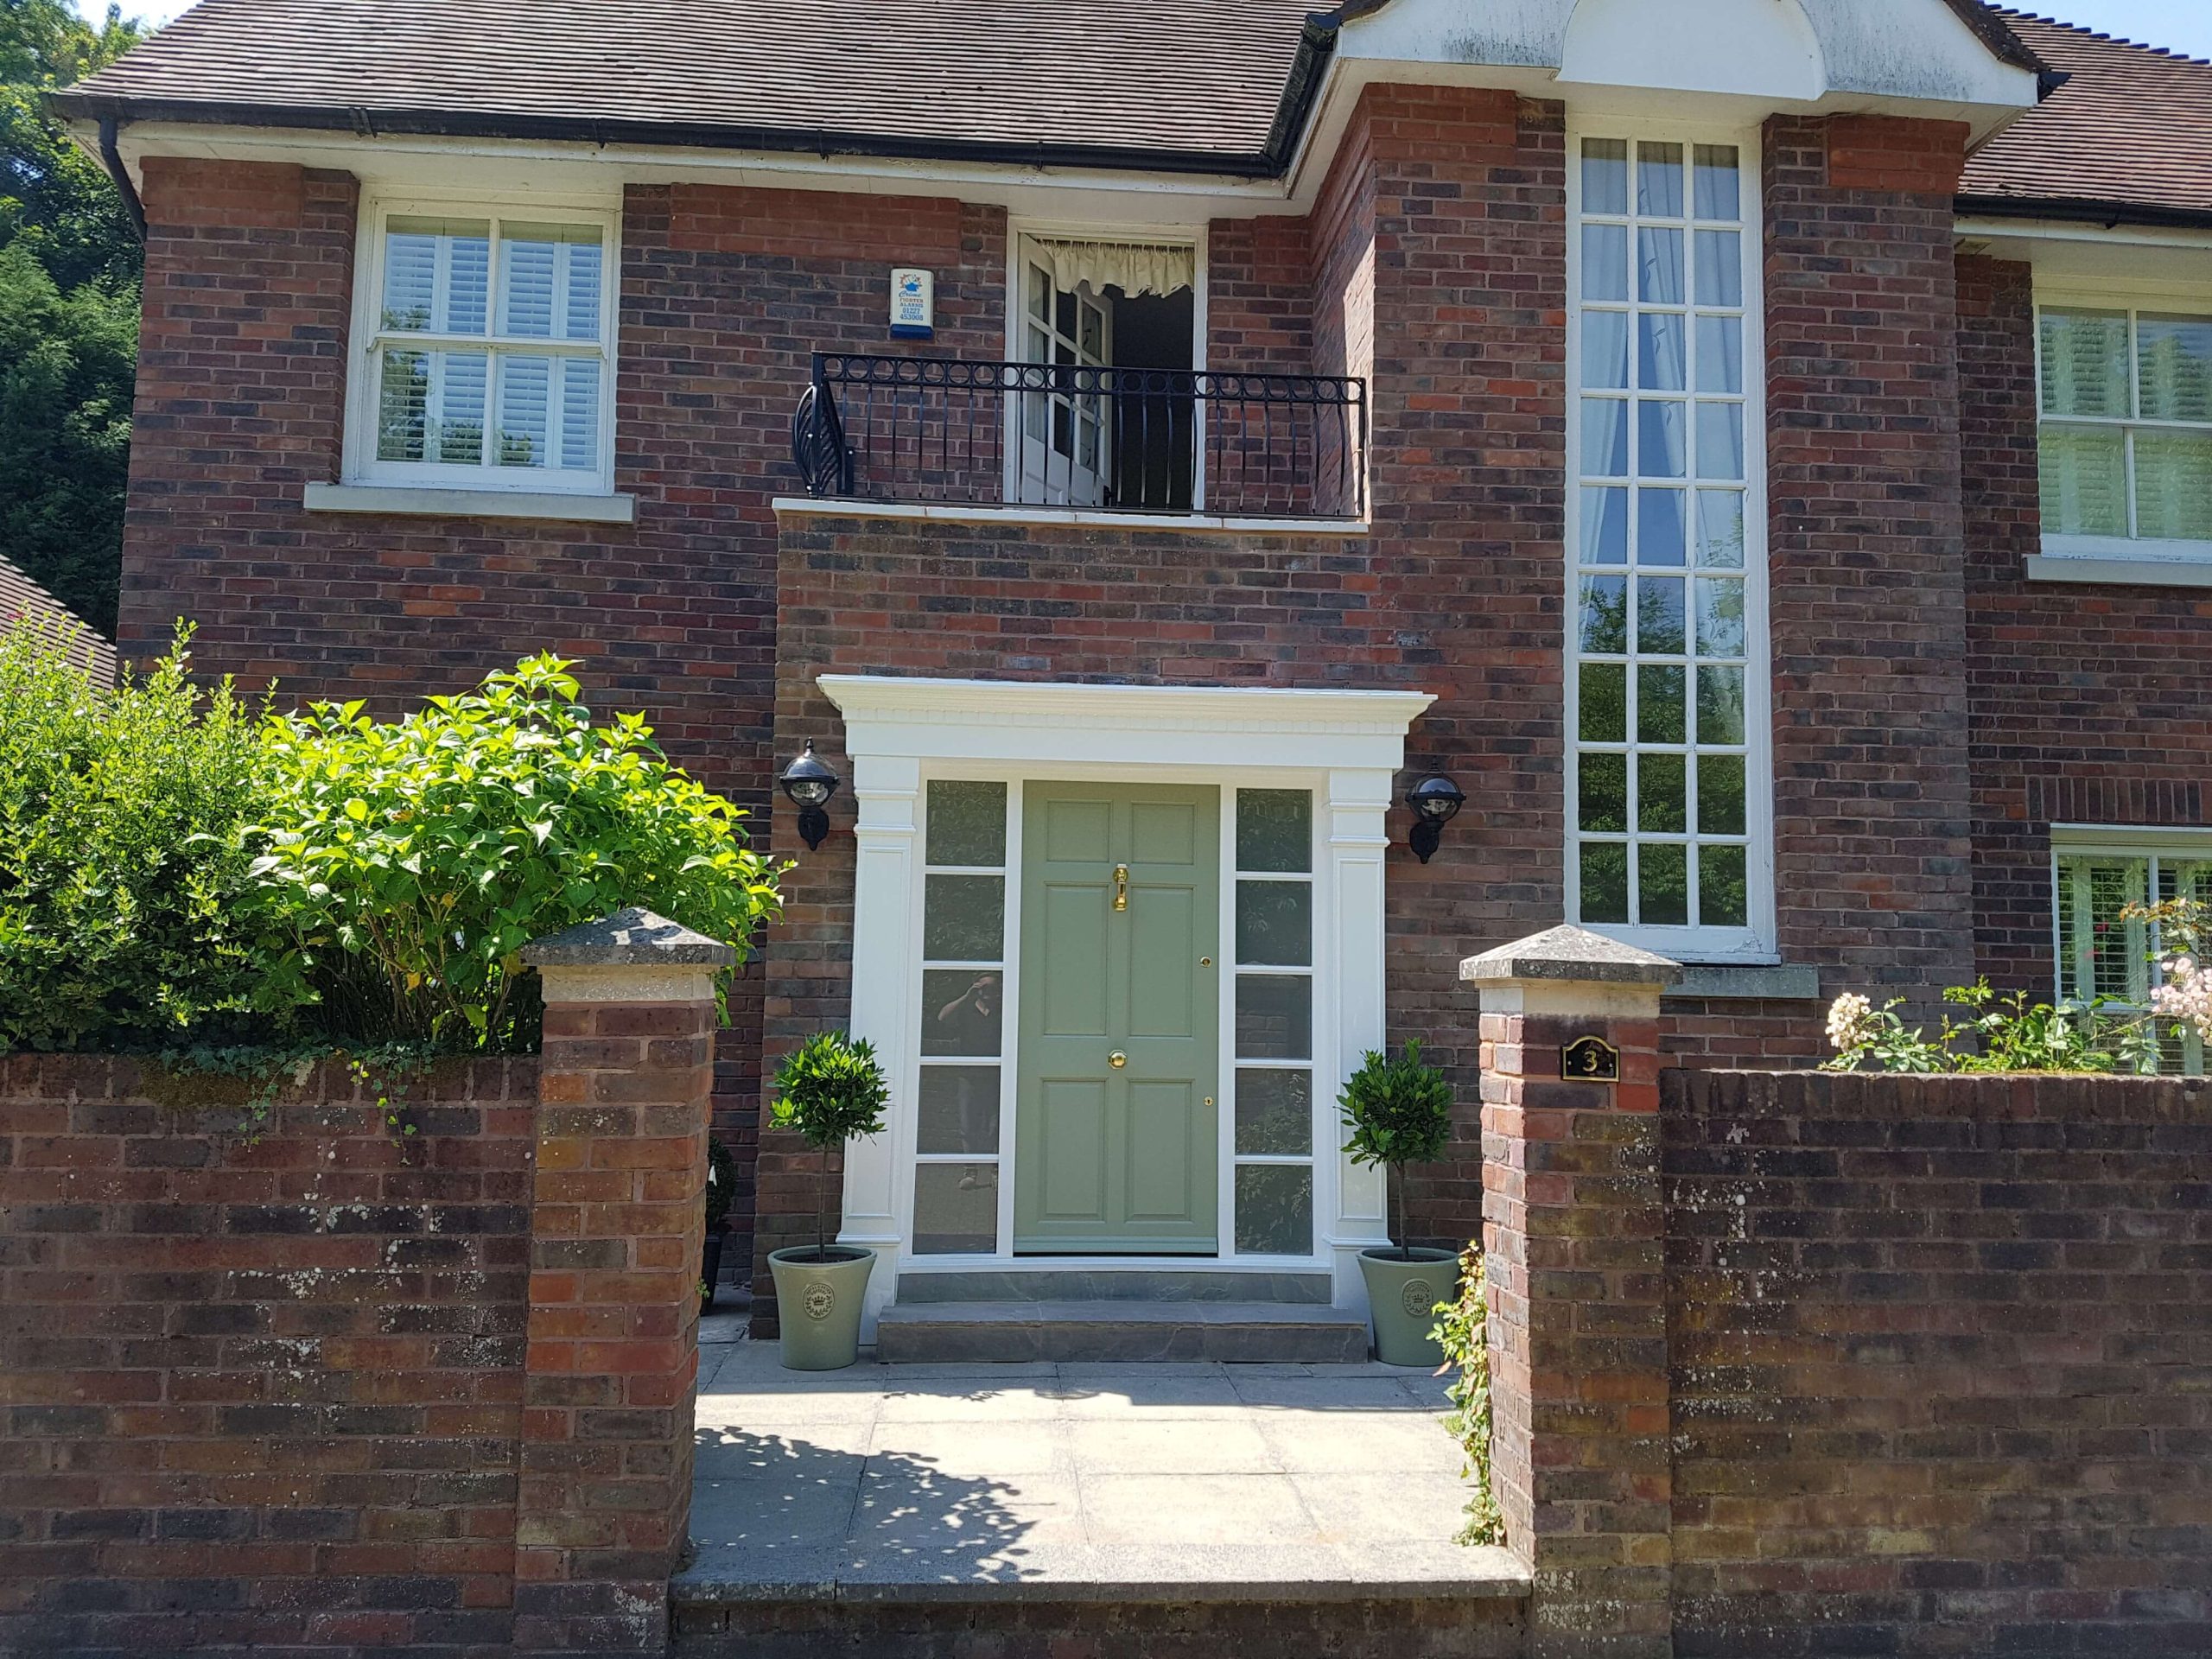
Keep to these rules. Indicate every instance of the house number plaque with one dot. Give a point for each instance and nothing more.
(1590, 1060)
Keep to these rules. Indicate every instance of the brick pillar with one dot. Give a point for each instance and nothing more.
(617, 1218)
(1573, 1226)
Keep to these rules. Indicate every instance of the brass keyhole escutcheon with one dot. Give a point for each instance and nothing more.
(1206, 961)
(1120, 886)
(1209, 1100)
(1117, 1060)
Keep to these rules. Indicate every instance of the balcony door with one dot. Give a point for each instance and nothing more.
(1066, 438)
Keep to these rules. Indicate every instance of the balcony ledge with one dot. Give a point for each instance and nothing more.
(1065, 518)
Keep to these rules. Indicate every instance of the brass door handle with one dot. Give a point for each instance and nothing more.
(1120, 886)
(1117, 1060)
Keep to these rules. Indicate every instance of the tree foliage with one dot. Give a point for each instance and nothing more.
(1399, 1111)
(830, 1090)
(69, 289)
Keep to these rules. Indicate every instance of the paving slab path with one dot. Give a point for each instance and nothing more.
(1195, 1480)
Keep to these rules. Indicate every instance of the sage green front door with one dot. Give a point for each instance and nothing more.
(1116, 1060)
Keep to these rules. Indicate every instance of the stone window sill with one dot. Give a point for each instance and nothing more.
(545, 506)
(1089, 519)
(1747, 983)
(2102, 559)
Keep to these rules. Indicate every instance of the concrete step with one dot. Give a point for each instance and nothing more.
(1113, 1285)
(1008, 1332)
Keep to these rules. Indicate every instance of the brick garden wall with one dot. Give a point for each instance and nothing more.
(1938, 1357)
(260, 1393)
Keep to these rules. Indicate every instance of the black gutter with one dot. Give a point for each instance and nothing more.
(2084, 210)
(113, 158)
(684, 134)
(1317, 44)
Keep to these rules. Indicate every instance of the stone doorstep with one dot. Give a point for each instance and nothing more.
(1256, 1572)
(1235, 1332)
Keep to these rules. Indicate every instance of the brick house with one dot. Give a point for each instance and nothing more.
(1759, 451)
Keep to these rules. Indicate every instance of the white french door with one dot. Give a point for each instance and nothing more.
(1065, 454)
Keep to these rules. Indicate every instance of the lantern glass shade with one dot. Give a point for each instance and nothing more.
(807, 780)
(1438, 800)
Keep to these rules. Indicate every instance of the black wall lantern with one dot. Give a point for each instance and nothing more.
(809, 783)
(1434, 802)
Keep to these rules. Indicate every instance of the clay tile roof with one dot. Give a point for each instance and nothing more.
(1137, 80)
(22, 601)
(2128, 136)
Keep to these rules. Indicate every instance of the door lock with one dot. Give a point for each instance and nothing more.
(1117, 1060)
(1120, 886)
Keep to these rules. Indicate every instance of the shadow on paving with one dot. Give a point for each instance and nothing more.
(797, 1512)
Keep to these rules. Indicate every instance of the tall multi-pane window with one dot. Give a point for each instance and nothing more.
(486, 352)
(2127, 436)
(956, 1152)
(1668, 796)
(2104, 953)
(1273, 1129)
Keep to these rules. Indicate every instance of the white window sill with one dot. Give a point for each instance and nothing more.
(2110, 559)
(1086, 517)
(547, 504)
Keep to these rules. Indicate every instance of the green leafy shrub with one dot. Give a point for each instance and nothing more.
(1399, 1112)
(1463, 1332)
(120, 866)
(403, 865)
(830, 1090)
(2004, 1033)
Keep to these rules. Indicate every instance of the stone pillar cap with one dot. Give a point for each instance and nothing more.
(1573, 955)
(632, 937)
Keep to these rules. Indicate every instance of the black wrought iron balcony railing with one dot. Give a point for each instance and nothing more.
(924, 430)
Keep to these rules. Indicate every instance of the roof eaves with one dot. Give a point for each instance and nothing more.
(2085, 210)
(463, 123)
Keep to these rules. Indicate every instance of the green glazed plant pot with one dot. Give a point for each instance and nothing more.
(1401, 1299)
(818, 1305)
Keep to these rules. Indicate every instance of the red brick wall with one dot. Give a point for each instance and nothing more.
(2088, 701)
(1937, 1351)
(259, 1392)
(1867, 554)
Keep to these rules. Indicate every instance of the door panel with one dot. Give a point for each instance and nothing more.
(1118, 1159)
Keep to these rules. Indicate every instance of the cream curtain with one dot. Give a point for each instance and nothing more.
(1133, 267)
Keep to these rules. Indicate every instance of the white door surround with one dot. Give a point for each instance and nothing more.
(1346, 746)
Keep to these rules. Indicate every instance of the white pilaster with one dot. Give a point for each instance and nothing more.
(886, 961)
(1359, 841)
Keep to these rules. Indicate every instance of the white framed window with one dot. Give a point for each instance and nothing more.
(484, 348)
(1670, 795)
(2124, 399)
(2099, 874)
(1271, 1142)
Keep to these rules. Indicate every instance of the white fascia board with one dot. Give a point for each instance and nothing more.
(1224, 727)
(429, 164)
(2115, 259)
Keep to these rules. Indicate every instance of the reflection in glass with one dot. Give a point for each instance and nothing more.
(2173, 485)
(1274, 923)
(2173, 358)
(1663, 884)
(956, 1209)
(1275, 830)
(1661, 716)
(1720, 440)
(2084, 356)
(1605, 882)
(1604, 350)
(1605, 615)
(1720, 705)
(1274, 1112)
(1274, 1017)
(967, 824)
(1720, 794)
(1661, 439)
(963, 918)
(1719, 616)
(1719, 354)
(962, 1013)
(1659, 621)
(1604, 703)
(1274, 1209)
(1721, 528)
(1602, 783)
(1723, 893)
(1662, 794)
(2084, 481)
(1604, 437)
(959, 1110)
